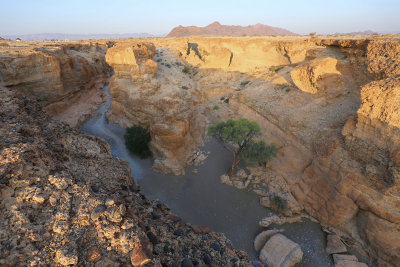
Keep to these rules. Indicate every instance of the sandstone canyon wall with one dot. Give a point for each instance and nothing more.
(143, 95)
(332, 107)
(56, 75)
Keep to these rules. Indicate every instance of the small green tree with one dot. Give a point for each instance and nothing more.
(237, 137)
(259, 153)
(137, 141)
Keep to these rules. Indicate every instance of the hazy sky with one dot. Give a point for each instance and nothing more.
(160, 16)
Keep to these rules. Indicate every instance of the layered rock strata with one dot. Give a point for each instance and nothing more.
(332, 108)
(56, 75)
(158, 100)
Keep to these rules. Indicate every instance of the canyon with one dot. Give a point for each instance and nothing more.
(331, 105)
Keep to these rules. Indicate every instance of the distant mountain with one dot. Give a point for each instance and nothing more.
(216, 29)
(359, 33)
(65, 36)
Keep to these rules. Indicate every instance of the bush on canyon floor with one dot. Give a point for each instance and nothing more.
(186, 69)
(244, 83)
(279, 202)
(237, 137)
(137, 140)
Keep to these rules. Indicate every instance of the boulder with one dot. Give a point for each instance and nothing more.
(335, 245)
(93, 254)
(140, 254)
(280, 251)
(262, 238)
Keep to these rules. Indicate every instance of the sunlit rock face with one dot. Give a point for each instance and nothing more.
(54, 75)
(155, 100)
(332, 108)
(65, 78)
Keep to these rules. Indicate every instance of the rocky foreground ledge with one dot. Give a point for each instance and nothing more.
(66, 201)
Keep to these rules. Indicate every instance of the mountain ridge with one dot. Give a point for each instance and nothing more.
(217, 29)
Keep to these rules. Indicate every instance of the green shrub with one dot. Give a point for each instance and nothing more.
(186, 69)
(137, 140)
(244, 83)
(4, 44)
(216, 107)
(279, 202)
(276, 68)
(185, 87)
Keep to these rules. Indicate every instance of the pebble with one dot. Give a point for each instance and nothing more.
(178, 232)
(216, 246)
(109, 202)
(207, 258)
(152, 237)
(186, 263)
(124, 187)
(95, 189)
(155, 216)
(97, 211)
(93, 254)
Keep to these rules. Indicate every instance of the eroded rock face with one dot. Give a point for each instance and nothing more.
(338, 145)
(319, 75)
(65, 200)
(51, 74)
(58, 76)
(144, 96)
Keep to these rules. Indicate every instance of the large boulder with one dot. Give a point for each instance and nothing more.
(280, 251)
(262, 238)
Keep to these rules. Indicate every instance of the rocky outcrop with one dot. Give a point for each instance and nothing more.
(65, 200)
(317, 76)
(155, 99)
(57, 76)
